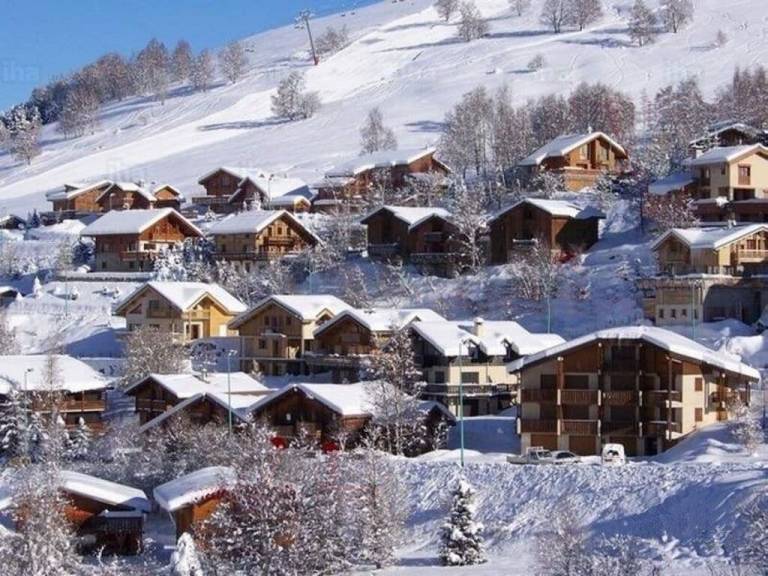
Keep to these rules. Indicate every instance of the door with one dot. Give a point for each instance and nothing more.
(195, 331)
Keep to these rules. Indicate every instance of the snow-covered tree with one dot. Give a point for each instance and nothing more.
(446, 8)
(9, 345)
(746, 427)
(152, 69)
(585, 12)
(5, 135)
(467, 136)
(203, 70)
(13, 423)
(181, 61)
(185, 560)
(468, 214)
(151, 351)
(332, 40)
(537, 275)
(681, 114)
(292, 101)
(676, 13)
(472, 25)
(556, 14)
(250, 287)
(462, 535)
(536, 63)
(24, 125)
(37, 288)
(669, 211)
(752, 553)
(374, 135)
(562, 549)
(550, 117)
(232, 61)
(721, 39)
(520, 7)
(600, 107)
(80, 113)
(642, 24)
(79, 444)
(355, 289)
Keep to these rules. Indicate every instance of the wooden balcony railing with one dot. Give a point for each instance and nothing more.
(137, 255)
(661, 427)
(473, 389)
(579, 427)
(210, 200)
(579, 397)
(538, 426)
(70, 405)
(147, 405)
(620, 398)
(619, 428)
(660, 397)
(161, 313)
(535, 395)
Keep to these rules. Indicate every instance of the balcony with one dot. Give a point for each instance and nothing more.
(333, 360)
(197, 315)
(148, 405)
(137, 255)
(538, 426)
(468, 389)
(660, 397)
(579, 427)
(383, 250)
(161, 313)
(620, 366)
(433, 257)
(246, 255)
(70, 405)
(661, 427)
(620, 398)
(579, 397)
(279, 241)
(210, 200)
(541, 396)
(619, 428)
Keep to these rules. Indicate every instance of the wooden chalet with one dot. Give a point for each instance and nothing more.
(352, 183)
(579, 158)
(425, 237)
(192, 498)
(77, 199)
(158, 393)
(277, 333)
(344, 344)
(104, 515)
(210, 407)
(230, 189)
(134, 196)
(563, 226)
(259, 236)
(77, 393)
(725, 134)
(187, 311)
(130, 241)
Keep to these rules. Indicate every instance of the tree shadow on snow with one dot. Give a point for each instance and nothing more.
(446, 42)
(243, 124)
(426, 126)
(517, 34)
(602, 42)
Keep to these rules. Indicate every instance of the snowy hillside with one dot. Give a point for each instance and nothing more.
(403, 59)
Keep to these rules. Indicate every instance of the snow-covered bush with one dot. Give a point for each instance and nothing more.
(745, 426)
(562, 549)
(185, 560)
(536, 63)
(462, 535)
(332, 40)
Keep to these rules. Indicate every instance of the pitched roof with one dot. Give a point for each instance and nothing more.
(306, 307)
(558, 208)
(712, 238)
(193, 487)
(664, 339)
(129, 187)
(73, 375)
(413, 216)
(381, 159)
(254, 221)
(69, 192)
(383, 319)
(448, 337)
(240, 405)
(726, 154)
(720, 127)
(565, 144)
(184, 295)
(671, 182)
(343, 399)
(187, 385)
(133, 222)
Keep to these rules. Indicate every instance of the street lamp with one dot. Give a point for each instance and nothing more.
(230, 353)
(694, 285)
(461, 401)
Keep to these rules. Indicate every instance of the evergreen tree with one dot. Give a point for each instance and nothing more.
(462, 540)
(79, 444)
(13, 424)
(185, 560)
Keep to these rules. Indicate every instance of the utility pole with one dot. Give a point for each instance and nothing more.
(302, 21)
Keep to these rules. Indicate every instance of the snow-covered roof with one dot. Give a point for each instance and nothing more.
(184, 295)
(193, 487)
(377, 160)
(98, 489)
(187, 385)
(72, 375)
(413, 216)
(275, 186)
(133, 222)
(9, 290)
(173, 189)
(343, 399)
(254, 221)
(129, 187)
(448, 337)
(664, 339)
(383, 319)
(557, 208)
(726, 154)
(238, 172)
(68, 193)
(306, 307)
(290, 200)
(710, 237)
(565, 144)
(240, 405)
(719, 127)
(670, 183)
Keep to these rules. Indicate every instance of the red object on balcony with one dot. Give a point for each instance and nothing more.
(279, 442)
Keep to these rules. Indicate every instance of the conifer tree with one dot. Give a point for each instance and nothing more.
(462, 540)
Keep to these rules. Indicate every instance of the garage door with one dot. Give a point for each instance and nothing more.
(548, 441)
(583, 445)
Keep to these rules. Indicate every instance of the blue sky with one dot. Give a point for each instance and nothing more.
(40, 39)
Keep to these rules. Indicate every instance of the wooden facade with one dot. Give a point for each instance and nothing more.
(84, 202)
(96, 529)
(88, 405)
(121, 196)
(227, 191)
(166, 196)
(188, 517)
(343, 349)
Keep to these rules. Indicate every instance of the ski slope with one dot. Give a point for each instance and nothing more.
(403, 59)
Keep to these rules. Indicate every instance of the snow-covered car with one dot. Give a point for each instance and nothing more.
(565, 457)
(533, 455)
(613, 455)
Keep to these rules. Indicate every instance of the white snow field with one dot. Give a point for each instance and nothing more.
(403, 59)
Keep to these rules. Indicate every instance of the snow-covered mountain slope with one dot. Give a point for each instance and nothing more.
(403, 59)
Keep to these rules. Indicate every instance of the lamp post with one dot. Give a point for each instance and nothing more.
(230, 353)
(694, 308)
(461, 403)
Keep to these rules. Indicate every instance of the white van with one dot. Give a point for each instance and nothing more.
(614, 455)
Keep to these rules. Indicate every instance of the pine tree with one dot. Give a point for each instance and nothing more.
(462, 540)
(79, 444)
(13, 424)
(374, 135)
(232, 61)
(185, 560)
(642, 24)
(37, 288)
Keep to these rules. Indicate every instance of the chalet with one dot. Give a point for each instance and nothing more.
(134, 196)
(12, 222)
(473, 355)
(231, 189)
(736, 172)
(104, 515)
(708, 274)
(77, 392)
(421, 236)
(579, 158)
(344, 344)
(259, 236)
(725, 134)
(131, 241)
(192, 498)
(158, 393)
(352, 183)
(78, 199)
(639, 386)
(561, 225)
(186, 310)
(208, 407)
(278, 331)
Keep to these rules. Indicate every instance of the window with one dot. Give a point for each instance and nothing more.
(673, 313)
(699, 384)
(661, 313)
(439, 377)
(548, 382)
(470, 378)
(699, 414)
(745, 172)
(684, 312)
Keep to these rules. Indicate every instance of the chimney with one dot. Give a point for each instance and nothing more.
(477, 328)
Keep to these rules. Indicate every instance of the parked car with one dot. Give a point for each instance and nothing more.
(613, 454)
(533, 455)
(565, 457)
